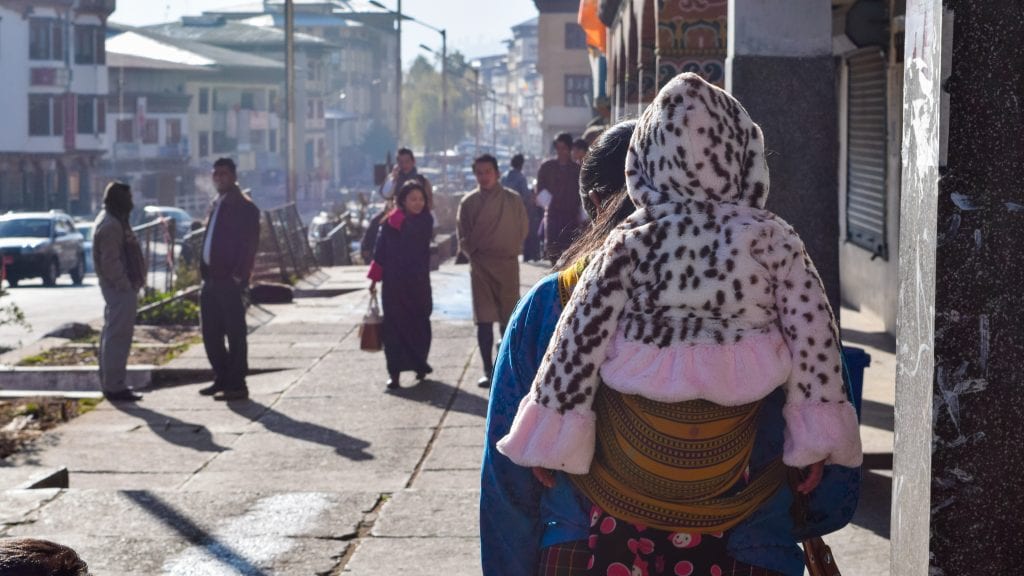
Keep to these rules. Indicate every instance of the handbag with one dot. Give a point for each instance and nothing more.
(369, 330)
(818, 556)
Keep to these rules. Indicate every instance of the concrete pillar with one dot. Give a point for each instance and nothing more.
(780, 67)
(958, 496)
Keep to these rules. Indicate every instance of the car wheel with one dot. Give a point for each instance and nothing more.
(50, 275)
(78, 272)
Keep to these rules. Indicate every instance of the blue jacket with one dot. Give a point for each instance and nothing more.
(518, 517)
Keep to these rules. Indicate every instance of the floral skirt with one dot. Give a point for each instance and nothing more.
(620, 548)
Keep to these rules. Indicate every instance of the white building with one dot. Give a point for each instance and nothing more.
(526, 90)
(54, 96)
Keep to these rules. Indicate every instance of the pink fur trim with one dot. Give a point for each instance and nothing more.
(726, 374)
(540, 436)
(817, 431)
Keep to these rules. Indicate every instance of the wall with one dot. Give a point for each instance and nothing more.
(866, 283)
(555, 62)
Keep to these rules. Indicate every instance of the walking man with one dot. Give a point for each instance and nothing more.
(492, 225)
(229, 252)
(121, 273)
(404, 170)
(515, 180)
(560, 176)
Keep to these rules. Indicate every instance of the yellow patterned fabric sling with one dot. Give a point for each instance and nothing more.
(672, 466)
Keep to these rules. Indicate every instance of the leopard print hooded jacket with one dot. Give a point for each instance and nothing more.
(700, 294)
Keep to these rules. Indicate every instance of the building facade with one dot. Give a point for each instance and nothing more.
(565, 70)
(525, 90)
(55, 94)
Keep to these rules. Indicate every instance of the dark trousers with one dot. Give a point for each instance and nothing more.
(223, 316)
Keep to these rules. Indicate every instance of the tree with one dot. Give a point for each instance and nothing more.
(422, 98)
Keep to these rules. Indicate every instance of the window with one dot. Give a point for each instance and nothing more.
(223, 143)
(248, 101)
(866, 196)
(125, 130)
(204, 100)
(320, 109)
(88, 112)
(45, 39)
(45, 115)
(575, 38)
(578, 90)
(151, 131)
(89, 45)
(272, 143)
(173, 129)
(204, 144)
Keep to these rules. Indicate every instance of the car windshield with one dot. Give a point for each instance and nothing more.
(25, 228)
(85, 231)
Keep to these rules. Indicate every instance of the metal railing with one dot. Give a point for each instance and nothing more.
(156, 239)
(333, 250)
(283, 237)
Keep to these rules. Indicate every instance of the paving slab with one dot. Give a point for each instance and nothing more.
(427, 480)
(420, 556)
(445, 456)
(417, 513)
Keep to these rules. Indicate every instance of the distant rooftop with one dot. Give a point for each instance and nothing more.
(184, 52)
(220, 31)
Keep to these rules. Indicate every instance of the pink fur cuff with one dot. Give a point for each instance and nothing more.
(817, 431)
(542, 437)
(726, 374)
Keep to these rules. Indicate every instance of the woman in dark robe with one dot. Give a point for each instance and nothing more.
(401, 261)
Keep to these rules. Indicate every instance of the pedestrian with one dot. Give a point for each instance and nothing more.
(35, 557)
(405, 170)
(120, 269)
(558, 180)
(698, 315)
(579, 150)
(525, 529)
(515, 180)
(492, 225)
(401, 261)
(229, 253)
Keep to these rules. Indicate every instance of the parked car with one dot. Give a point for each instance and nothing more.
(86, 229)
(41, 245)
(182, 219)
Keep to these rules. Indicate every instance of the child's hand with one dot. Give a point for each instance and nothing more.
(810, 482)
(544, 476)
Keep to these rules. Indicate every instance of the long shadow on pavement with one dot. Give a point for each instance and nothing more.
(192, 532)
(439, 394)
(347, 446)
(174, 430)
(873, 512)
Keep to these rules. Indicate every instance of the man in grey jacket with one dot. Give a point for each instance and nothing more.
(119, 268)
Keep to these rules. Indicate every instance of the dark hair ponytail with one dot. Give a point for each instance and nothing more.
(603, 172)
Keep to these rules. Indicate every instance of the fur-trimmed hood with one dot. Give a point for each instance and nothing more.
(696, 142)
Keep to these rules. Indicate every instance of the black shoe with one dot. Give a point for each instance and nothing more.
(229, 395)
(393, 382)
(126, 395)
(210, 390)
(484, 382)
(421, 374)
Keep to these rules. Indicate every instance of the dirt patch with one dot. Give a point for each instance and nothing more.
(25, 419)
(151, 345)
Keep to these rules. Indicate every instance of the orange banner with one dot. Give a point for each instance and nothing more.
(597, 33)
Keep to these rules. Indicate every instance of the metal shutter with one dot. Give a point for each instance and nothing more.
(866, 146)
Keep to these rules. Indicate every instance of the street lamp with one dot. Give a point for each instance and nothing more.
(398, 66)
(444, 76)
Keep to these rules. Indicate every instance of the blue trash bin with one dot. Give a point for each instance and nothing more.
(856, 361)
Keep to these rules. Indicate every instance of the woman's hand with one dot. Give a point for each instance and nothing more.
(544, 476)
(812, 478)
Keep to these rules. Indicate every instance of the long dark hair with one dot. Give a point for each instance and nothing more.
(603, 172)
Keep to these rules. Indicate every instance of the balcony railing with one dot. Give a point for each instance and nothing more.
(101, 6)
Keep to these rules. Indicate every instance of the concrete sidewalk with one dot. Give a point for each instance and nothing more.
(323, 471)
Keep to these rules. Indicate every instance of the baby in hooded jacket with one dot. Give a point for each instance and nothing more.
(700, 294)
